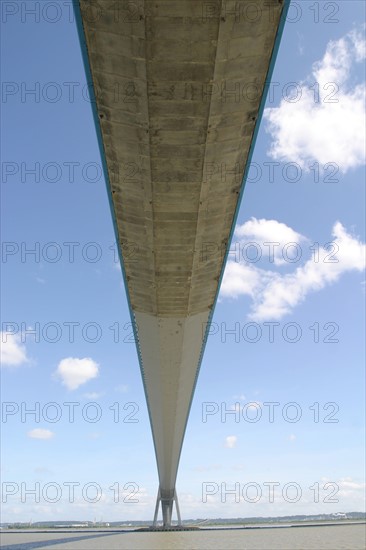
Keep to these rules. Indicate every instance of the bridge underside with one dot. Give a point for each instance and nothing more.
(178, 86)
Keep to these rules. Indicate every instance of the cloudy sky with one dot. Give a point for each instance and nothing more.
(279, 404)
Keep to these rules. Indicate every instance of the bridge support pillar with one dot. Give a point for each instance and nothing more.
(167, 509)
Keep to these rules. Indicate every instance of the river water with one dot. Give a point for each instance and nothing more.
(335, 537)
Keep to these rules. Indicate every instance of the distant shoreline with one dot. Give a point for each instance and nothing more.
(218, 527)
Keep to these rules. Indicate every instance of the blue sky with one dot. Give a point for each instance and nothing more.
(314, 145)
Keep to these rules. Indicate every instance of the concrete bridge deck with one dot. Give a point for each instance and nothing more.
(179, 86)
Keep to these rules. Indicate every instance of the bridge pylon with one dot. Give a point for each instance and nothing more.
(167, 502)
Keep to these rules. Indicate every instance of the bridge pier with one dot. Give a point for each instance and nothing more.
(167, 509)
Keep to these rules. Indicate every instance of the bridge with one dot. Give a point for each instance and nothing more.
(179, 87)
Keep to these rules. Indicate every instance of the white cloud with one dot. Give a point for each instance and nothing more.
(122, 388)
(13, 353)
(94, 435)
(231, 441)
(249, 410)
(347, 484)
(40, 433)
(241, 397)
(300, 43)
(43, 470)
(275, 295)
(74, 372)
(240, 279)
(94, 395)
(285, 292)
(270, 236)
(292, 437)
(327, 125)
(207, 468)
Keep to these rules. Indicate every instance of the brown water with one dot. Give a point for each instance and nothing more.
(335, 537)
